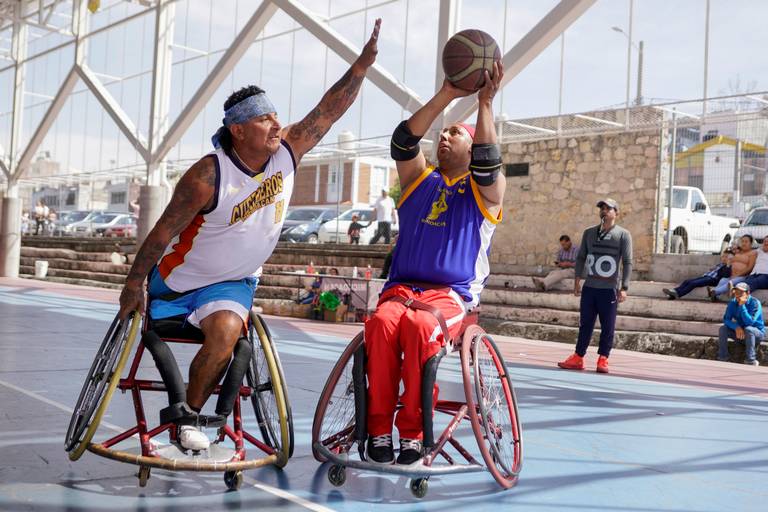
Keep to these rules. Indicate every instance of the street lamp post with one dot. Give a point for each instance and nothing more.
(639, 47)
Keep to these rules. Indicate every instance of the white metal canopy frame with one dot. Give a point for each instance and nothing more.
(154, 146)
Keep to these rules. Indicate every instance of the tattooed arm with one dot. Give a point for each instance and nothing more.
(303, 135)
(193, 193)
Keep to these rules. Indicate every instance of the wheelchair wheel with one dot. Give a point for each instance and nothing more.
(270, 393)
(492, 406)
(334, 422)
(100, 384)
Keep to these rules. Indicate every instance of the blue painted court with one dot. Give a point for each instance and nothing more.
(592, 442)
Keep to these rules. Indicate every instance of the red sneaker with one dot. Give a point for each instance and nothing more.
(602, 364)
(574, 362)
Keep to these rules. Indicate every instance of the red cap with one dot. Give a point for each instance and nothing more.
(470, 129)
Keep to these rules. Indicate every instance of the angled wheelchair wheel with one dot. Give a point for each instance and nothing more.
(492, 406)
(334, 422)
(100, 384)
(270, 392)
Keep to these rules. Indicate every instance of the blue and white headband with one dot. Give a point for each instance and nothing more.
(252, 106)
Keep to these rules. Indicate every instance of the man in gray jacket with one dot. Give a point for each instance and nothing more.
(603, 248)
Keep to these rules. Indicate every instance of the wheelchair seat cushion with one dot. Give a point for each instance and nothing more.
(176, 327)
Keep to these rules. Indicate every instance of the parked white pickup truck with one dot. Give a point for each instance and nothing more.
(694, 227)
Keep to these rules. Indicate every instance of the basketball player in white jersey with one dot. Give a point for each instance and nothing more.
(223, 222)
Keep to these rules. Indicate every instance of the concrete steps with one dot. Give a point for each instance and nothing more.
(75, 281)
(276, 292)
(81, 275)
(104, 267)
(697, 347)
(634, 306)
(650, 289)
(510, 303)
(623, 322)
(39, 253)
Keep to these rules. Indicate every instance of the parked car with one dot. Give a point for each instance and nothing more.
(95, 225)
(302, 224)
(66, 219)
(329, 233)
(756, 224)
(694, 227)
(124, 226)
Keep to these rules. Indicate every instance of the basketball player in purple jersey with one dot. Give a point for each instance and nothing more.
(447, 216)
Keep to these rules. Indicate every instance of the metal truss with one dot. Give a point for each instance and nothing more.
(155, 146)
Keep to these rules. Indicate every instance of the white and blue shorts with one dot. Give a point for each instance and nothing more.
(195, 305)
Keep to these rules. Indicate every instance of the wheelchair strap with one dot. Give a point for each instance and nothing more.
(415, 304)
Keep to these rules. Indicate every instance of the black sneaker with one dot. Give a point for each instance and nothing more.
(380, 449)
(671, 294)
(410, 451)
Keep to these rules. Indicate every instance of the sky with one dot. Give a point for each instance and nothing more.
(295, 68)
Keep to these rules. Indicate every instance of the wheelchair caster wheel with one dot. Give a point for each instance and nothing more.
(419, 487)
(233, 479)
(143, 475)
(337, 475)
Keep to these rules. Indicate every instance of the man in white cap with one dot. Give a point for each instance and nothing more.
(603, 249)
(743, 322)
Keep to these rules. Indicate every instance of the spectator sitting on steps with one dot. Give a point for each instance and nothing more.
(743, 322)
(711, 278)
(565, 261)
(758, 279)
(742, 264)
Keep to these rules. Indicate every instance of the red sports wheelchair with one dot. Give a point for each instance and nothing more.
(255, 361)
(340, 416)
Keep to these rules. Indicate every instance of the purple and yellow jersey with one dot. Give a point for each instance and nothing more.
(445, 235)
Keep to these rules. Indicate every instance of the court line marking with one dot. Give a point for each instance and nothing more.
(280, 493)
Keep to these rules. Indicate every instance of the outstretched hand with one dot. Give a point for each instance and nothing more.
(370, 50)
(492, 84)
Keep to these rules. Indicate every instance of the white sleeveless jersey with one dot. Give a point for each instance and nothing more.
(232, 239)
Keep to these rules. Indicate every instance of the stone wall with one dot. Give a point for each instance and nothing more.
(566, 179)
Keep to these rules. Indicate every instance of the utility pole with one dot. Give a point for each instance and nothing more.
(639, 98)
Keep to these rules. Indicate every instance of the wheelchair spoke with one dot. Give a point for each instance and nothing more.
(334, 424)
(496, 416)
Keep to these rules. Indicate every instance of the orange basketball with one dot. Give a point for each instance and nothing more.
(466, 55)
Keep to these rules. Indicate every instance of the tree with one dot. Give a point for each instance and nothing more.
(395, 192)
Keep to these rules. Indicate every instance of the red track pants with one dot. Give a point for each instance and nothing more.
(398, 342)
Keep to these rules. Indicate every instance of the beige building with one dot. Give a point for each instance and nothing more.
(348, 180)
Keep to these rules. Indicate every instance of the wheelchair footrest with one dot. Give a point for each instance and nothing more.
(212, 421)
(181, 414)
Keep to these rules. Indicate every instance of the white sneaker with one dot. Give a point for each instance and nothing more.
(192, 439)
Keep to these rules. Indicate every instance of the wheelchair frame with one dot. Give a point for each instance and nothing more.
(277, 451)
(335, 447)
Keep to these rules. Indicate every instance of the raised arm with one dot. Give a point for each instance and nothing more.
(305, 134)
(485, 134)
(193, 193)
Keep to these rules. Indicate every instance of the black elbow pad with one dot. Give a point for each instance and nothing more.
(485, 164)
(404, 144)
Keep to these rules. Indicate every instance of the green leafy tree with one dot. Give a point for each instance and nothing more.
(395, 192)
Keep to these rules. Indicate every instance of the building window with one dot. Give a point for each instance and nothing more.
(70, 200)
(515, 170)
(117, 197)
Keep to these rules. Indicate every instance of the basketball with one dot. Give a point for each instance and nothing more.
(466, 55)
